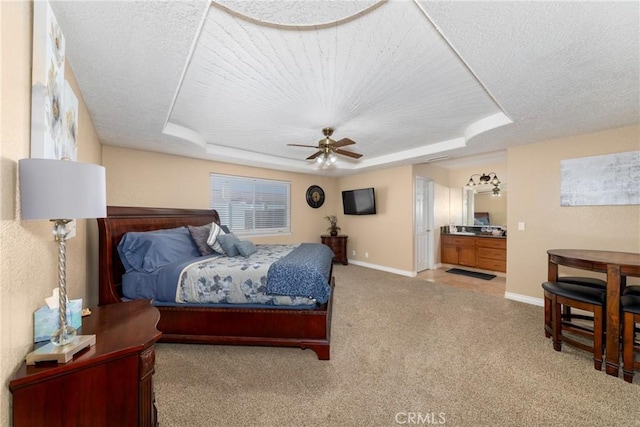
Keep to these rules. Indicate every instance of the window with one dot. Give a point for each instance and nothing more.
(250, 206)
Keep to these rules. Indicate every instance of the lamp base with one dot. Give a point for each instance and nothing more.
(60, 354)
(64, 335)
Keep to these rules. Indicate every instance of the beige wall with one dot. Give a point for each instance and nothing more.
(534, 198)
(28, 260)
(388, 235)
(432, 172)
(140, 178)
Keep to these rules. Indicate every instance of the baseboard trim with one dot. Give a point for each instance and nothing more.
(524, 298)
(383, 268)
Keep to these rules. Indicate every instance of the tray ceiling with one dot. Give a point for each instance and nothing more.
(408, 81)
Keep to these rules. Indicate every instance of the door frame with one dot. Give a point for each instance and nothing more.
(428, 200)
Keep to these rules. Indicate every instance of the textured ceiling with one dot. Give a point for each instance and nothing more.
(409, 81)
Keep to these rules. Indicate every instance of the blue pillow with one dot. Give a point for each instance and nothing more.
(150, 250)
(128, 244)
(246, 248)
(228, 243)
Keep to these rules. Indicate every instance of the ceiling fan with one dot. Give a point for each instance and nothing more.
(327, 147)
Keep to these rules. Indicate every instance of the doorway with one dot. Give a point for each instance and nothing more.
(423, 222)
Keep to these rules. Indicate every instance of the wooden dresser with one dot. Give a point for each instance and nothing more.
(338, 245)
(108, 384)
(486, 252)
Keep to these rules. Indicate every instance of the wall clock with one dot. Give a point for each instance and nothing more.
(315, 196)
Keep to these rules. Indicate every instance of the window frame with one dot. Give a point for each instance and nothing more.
(227, 215)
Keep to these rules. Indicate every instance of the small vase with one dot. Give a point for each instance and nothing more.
(334, 232)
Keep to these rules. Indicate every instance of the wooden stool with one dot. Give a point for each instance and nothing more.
(583, 281)
(630, 316)
(557, 295)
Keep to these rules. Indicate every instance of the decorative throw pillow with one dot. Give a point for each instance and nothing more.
(212, 240)
(228, 243)
(246, 248)
(200, 235)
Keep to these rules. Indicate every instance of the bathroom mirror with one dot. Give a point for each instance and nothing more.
(479, 207)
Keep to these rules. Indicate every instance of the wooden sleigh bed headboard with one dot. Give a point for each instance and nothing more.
(122, 219)
(270, 326)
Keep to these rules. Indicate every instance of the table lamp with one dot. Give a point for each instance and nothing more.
(60, 191)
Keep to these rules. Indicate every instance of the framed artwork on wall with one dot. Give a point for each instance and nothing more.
(54, 106)
(610, 179)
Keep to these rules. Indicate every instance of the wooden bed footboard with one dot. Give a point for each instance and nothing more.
(304, 328)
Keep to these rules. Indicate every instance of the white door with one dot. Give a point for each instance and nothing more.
(423, 220)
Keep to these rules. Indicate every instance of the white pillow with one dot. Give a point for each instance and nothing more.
(213, 238)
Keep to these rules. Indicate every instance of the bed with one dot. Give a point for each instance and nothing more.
(305, 327)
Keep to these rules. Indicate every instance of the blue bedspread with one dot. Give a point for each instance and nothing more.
(305, 271)
(239, 280)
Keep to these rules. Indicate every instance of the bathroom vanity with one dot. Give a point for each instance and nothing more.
(468, 249)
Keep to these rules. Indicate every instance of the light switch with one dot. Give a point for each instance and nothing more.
(521, 226)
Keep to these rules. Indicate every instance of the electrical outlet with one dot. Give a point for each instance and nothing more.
(366, 254)
(521, 226)
(353, 253)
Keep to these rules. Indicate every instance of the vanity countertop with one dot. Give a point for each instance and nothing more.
(470, 234)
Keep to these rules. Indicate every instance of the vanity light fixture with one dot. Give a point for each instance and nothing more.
(485, 178)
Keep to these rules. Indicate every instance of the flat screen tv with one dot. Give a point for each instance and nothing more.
(359, 202)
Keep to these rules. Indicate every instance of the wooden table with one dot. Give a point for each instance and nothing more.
(108, 384)
(617, 266)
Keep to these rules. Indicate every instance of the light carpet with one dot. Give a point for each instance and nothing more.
(404, 351)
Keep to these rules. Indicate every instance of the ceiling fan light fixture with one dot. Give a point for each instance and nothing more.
(328, 149)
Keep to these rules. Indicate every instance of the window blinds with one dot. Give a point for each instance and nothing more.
(250, 206)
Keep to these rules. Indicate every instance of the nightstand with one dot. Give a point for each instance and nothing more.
(107, 384)
(338, 245)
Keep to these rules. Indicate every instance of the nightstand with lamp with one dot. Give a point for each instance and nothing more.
(111, 382)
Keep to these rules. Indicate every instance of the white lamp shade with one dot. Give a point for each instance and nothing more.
(61, 189)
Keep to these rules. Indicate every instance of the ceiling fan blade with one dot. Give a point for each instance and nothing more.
(299, 145)
(348, 153)
(313, 156)
(343, 142)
